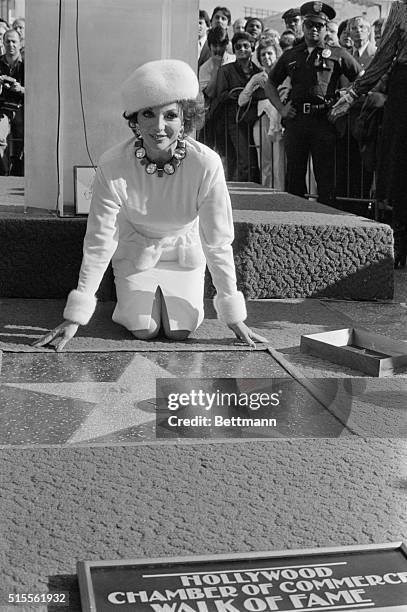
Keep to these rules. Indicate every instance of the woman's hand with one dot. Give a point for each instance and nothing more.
(245, 334)
(343, 105)
(288, 111)
(258, 80)
(65, 331)
(374, 99)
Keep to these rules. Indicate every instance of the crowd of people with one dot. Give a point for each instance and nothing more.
(12, 92)
(268, 98)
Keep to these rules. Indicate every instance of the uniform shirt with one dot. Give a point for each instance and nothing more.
(392, 46)
(314, 77)
(140, 217)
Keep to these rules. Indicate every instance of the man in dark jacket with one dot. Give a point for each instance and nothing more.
(11, 105)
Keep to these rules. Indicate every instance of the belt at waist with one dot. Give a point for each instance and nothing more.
(308, 108)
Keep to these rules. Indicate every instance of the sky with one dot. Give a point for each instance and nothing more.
(237, 6)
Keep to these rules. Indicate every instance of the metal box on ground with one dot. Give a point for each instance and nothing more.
(373, 354)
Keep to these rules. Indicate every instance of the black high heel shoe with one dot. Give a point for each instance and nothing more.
(400, 247)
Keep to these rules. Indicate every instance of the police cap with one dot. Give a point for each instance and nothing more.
(317, 11)
(292, 13)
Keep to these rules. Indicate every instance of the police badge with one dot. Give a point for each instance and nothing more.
(317, 7)
(326, 53)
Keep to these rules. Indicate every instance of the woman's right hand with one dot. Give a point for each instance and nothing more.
(258, 80)
(288, 111)
(65, 331)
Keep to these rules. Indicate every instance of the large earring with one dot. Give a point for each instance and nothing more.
(181, 134)
(133, 125)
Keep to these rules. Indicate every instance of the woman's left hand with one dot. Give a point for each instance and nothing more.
(245, 334)
(343, 105)
(259, 80)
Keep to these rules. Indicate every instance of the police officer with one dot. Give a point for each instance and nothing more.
(314, 70)
(293, 21)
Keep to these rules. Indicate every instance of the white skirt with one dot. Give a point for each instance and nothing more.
(182, 290)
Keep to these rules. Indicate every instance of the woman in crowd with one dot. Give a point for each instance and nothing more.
(391, 180)
(344, 36)
(238, 128)
(267, 130)
(148, 195)
(274, 36)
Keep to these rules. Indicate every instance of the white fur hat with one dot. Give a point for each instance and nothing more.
(159, 82)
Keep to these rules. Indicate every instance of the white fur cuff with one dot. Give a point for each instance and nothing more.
(231, 309)
(79, 307)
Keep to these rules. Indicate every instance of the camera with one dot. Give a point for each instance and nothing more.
(8, 81)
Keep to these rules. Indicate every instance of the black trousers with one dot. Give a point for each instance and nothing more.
(392, 167)
(305, 135)
(235, 142)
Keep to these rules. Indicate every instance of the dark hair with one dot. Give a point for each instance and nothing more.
(193, 112)
(288, 33)
(284, 45)
(217, 36)
(204, 15)
(225, 11)
(243, 36)
(264, 43)
(379, 22)
(342, 26)
(250, 19)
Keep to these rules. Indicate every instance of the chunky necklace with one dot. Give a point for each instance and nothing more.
(169, 167)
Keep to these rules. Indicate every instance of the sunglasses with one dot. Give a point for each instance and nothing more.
(242, 46)
(313, 24)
